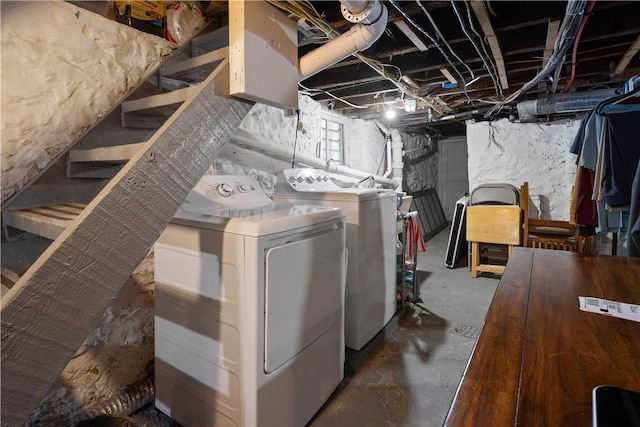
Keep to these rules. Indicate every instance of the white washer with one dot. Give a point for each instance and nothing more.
(249, 325)
(371, 244)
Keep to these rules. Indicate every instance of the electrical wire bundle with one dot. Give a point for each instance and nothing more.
(566, 37)
(564, 40)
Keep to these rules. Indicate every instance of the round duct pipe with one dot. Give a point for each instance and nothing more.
(562, 103)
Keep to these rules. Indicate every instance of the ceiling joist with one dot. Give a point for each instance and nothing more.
(626, 58)
(483, 17)
(407, 31)
(552, 33)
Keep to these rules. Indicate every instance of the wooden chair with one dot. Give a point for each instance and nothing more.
(550, 234)
(498, 224)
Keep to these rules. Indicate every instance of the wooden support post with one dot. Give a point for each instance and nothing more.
(47, 315)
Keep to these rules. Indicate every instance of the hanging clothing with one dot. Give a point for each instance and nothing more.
(583, 208)
(592, 132)
(608, 174)
(415, 242)
(578, 140)
(633, 238)
(586, 212)
(621, 157)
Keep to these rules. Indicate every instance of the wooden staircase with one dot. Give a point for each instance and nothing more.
(101, 163)
(104, 205)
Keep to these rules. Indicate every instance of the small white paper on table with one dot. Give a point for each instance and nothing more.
(610, 308)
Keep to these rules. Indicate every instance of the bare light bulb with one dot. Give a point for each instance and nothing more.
(390, 114)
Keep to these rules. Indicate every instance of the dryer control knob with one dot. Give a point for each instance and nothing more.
(309, 179)
(299, 178)
(224, 190)
(242, 188)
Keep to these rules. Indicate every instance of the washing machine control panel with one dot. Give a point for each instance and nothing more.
(309, 180)
(225, 191)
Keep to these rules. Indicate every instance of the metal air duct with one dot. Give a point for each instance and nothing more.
(562, 103)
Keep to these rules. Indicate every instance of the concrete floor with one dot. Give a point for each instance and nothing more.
(412, 377)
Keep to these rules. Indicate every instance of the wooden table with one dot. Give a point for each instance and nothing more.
(538, 356)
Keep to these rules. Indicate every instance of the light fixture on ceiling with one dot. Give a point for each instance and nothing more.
(410, 105)
(390, 113)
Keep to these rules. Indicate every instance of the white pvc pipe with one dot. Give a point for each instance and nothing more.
(246, 139)
(357, 38)
(355, 6)
(396, 157)
(387, 166)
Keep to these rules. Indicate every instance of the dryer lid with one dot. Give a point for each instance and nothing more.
(256, 221)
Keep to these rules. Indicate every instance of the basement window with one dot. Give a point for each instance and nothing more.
(332, 139)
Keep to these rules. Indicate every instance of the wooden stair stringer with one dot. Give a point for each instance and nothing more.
(55, 304)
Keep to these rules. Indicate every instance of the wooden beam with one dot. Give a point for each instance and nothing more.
(46, 221)
(552, 32)
(160, 100)
(50, 311)
(415, 39)
(481, 13)
(626, 58)
(447, 74)
(195, 65)
(113, 154)
(522, 25)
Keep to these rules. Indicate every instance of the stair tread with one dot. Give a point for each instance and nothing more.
(211, 40)
(46, 221)
(194, 69)
(160, 100)
(112, 154)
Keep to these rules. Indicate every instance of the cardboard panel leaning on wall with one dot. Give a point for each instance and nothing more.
(501, 151)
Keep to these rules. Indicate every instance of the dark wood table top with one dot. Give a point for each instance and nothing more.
(539, 356)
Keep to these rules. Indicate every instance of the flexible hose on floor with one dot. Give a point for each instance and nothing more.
(127, 401)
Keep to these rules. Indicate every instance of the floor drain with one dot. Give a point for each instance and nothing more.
(467, 331)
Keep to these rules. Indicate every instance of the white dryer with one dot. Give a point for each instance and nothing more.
(249, 323)
(371, 244)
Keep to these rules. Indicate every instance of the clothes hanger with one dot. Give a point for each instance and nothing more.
(633, 97)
